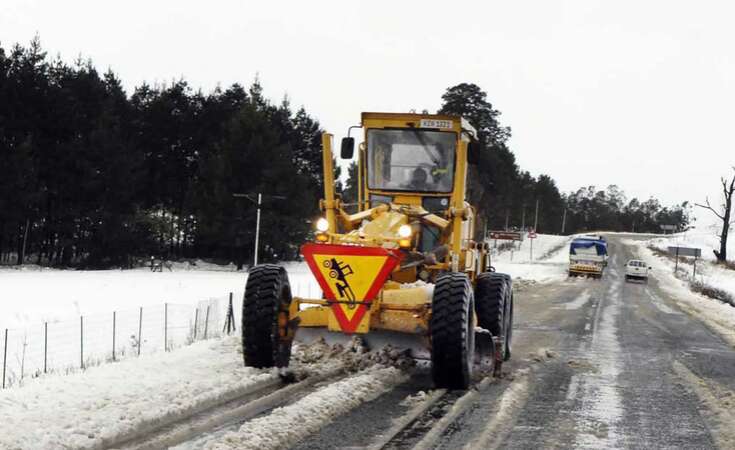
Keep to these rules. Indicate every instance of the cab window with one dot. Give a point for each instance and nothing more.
(410, 160)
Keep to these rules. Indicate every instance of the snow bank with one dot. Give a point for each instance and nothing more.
(94, 408)
(116, 402)
(548, 263)
(708, 272)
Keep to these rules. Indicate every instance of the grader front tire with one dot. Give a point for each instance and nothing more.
(452, 331)
(265, 317)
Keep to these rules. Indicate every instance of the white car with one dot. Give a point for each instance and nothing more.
(636, 270)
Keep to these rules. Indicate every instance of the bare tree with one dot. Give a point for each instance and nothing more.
(723, 214)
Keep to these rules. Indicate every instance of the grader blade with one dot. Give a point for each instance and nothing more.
(416, 346)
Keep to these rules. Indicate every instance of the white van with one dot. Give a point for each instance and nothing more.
(636, 270)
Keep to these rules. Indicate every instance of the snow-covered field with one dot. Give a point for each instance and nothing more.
(33, 295)
(706, 238)
(548, 263)
(61, 319)
(707, 272)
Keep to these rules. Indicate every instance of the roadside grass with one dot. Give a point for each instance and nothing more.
(712, 292)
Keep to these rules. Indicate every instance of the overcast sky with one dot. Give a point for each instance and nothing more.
(635, 93)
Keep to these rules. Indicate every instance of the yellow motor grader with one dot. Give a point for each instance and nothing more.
(404, 263)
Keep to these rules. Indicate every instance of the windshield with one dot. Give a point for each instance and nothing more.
(587, 247)
(410, 160)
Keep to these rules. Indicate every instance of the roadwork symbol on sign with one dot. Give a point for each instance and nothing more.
(350, 276)
(340, 271)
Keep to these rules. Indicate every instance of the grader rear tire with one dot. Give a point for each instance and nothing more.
(265, 317)
(494, 306)
(452, 331)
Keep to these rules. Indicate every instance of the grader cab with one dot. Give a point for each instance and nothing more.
(403, 263)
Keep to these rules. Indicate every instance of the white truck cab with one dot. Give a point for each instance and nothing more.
(636, 269)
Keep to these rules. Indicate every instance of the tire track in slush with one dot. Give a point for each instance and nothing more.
(428, 424)
(285, 426)
(248, 405)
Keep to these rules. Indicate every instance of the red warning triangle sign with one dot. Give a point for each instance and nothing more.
(350, 276)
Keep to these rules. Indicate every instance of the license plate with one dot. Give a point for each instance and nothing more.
(433, 123)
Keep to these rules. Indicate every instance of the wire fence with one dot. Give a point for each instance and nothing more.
(71, 345)
(90, 340)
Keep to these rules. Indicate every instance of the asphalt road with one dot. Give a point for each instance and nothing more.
(597, 364)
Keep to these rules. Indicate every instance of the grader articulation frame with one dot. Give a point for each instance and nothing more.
(406, 262)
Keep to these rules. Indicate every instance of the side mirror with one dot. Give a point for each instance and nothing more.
(473, 153)
(348, 148)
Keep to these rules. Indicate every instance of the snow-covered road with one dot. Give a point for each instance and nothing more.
(597, 364)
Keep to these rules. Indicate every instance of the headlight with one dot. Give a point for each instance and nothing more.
(322, 225)
(404, 231)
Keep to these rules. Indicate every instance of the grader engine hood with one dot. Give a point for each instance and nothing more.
(351, 277)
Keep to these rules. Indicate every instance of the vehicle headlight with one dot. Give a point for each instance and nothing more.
(405, 231)
(322, 225)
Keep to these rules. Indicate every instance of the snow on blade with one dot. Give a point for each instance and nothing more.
(286, 426)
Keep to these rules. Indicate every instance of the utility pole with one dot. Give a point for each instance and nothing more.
(258, 203)
(523, 217)
(535, 218)
(257, 229)
(507, 218)
(22, 256)
(564, 220)
(530, 256)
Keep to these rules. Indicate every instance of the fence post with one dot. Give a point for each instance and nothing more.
(5, 356)
(165, 327)
(206, 323)
(230, 316)
(196, 322)
(81, 340)
(232, 311)
(114, 320)
(230, 320)
(140, 330)
(45, 346)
